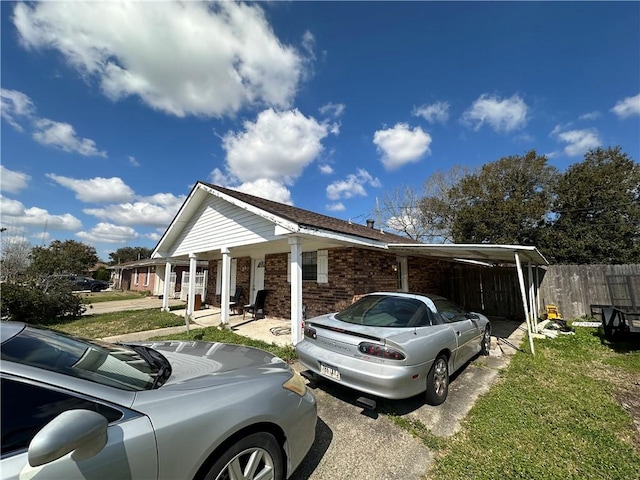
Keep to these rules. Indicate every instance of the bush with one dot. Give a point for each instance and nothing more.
(31, 303)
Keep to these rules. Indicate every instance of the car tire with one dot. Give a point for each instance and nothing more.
(260, 448)
(485, 342)
(95, 288)
(438, 381)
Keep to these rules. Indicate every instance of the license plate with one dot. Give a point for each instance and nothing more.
(330, 372)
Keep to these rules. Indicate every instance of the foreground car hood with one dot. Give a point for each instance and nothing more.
(200, 364)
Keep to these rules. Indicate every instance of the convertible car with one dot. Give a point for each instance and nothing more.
(394, 345)
(74, 408)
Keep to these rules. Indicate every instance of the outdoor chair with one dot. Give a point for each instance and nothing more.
(257, 307)
(234, 300)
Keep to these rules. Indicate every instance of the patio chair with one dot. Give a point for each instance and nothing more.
(234, 300)
(257, 307)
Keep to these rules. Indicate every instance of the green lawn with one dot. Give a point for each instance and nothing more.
(555, 415)
(99, 297)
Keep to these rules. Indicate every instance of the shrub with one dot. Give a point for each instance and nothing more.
(31, 303)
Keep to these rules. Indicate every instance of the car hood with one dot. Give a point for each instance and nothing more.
(203, 364)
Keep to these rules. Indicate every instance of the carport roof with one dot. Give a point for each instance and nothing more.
(486, 253)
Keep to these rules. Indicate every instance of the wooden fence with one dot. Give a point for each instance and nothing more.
(575, 288)
(572, 288)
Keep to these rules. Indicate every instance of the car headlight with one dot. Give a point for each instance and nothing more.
(296, 384)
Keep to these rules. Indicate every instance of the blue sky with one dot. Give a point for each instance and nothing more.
(111, 112)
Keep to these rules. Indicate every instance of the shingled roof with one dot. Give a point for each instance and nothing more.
(314, 220)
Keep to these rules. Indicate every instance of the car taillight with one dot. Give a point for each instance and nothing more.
(310, 332)
(376, 350)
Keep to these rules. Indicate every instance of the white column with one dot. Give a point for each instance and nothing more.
(166, 286)
(296, 289)
(523, 293)
(225, 287)
(532, 301)
(191, 296)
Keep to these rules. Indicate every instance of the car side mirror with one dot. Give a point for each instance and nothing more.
(473, 316)
(82, 432)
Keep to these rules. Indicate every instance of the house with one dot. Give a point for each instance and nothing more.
(312, 263)
(147, 275)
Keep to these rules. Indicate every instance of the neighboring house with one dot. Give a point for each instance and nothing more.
(147, 275)
(313, 264)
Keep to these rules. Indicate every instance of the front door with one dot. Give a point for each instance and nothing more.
(257, 277)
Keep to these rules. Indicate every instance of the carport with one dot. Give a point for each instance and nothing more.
(489, 255)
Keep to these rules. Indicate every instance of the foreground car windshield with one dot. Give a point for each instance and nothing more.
(112, 365)
(387, 311)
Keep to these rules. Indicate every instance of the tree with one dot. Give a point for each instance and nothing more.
(596, 215)
(62, 257)
(16, 251)
(420, 215)
(505, 202)
(129, 254)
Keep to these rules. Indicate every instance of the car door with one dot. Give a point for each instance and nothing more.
(130, 451)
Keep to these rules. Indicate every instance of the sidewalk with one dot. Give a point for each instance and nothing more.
(270, 330)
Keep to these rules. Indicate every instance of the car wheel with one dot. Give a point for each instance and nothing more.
(485, 344)
(95, 288)
(252, 457)
(438, 381)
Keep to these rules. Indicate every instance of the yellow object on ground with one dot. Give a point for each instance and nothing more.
(553, 313)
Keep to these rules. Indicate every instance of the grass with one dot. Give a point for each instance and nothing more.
(99, 297)
(117, 323)
(552, 416)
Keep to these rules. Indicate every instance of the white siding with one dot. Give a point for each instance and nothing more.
(218, 223)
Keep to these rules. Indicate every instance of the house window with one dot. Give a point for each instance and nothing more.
(309, 266)
(136, 277)
(146, 279)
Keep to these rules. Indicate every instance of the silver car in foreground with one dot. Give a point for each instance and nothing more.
(394, 345)
(73, 408)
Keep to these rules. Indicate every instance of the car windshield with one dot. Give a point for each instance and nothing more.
(387, 311)
(113, 365)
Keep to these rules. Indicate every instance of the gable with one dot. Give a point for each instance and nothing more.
(217, 223)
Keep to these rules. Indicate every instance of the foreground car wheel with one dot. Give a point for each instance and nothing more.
(438, 381)
(257, 456)
(485, 344)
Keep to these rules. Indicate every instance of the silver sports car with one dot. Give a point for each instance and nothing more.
(394, 345)
(74, 408)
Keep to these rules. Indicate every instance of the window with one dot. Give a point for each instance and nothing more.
(309, 266)
(136, 277)
(146, 279)
(27, 408)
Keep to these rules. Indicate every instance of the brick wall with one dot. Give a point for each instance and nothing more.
(352, 272)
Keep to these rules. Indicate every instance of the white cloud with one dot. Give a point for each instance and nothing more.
(154, 236)
(62, 135)
(15, 213)
(578, 141)
(336, 207)
(436, 112)
(157, 210)
(11, 181)
(401, 145)
(277, 146)
(502, 115)
(108, 233)
(354, 185)
(96, 190)
(182, 58)
(627, 107)
(133, 161)
(325, 169)
(334, 110)
(267, 188)
(218, 177)
(589, 116)
(15, 105)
